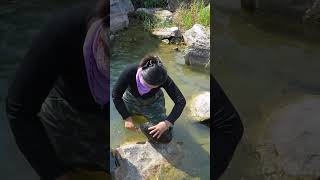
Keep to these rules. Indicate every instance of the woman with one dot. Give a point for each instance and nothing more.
(58, 103)
(138, 92)
(227, 130)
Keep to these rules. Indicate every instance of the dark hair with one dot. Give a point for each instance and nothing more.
(153, 71)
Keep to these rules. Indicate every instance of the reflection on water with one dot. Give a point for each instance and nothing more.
(129, 46)
(261, 66)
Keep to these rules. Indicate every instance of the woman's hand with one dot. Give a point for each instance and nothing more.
(129, 124)
(159, 129)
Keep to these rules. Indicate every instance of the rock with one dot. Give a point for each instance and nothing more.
(291, 139)
(198, 51)
(165, 138)
(198, 36)
(167, 33)
(166, 41)
(144, 161)
(197, 57)
(164, 16)
(200, 106)
(119, 10)
(312, 15)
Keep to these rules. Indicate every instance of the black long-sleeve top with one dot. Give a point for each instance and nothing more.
(54, 61)
(127, 80)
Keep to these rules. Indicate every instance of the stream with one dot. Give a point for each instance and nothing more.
(130, 46)
(263, 64)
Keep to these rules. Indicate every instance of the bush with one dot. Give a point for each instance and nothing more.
(196, 13)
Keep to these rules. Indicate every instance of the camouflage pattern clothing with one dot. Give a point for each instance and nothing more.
(79, 138)
(152, 108)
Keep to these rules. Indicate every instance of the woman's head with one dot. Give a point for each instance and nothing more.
(153, 72)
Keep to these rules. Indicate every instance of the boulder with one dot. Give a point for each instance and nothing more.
(198, 51)
(119, 10)
(200, 106)
(146, 161)
(164, 16)
(198, 36)
(167, 33)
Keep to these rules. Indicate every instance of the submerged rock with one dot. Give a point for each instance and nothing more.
(198, 51)
(148, 161)
(200, 107)
(290, 148)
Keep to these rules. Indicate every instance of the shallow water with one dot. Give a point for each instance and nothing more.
(262, 64)
(129, 46)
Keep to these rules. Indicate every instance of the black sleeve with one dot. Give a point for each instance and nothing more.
(118, 90)
(32, 83)
(227, 130)
(177, 97)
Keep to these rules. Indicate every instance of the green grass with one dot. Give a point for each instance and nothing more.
(196, 13)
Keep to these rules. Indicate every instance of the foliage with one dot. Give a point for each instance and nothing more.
(195, 13)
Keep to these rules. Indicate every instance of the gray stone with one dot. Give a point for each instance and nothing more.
(144, 161)
(200, 106)
(198, 35)
(119, 10)
(167, 33)
(166, 41)
(198, 51)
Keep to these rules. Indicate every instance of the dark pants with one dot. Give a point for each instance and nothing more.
(227, 131)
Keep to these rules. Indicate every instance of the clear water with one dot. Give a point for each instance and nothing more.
(131, 45)
(262, 63)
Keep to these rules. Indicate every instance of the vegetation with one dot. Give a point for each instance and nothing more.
(186, 15)
(152, 22)
(196, 13)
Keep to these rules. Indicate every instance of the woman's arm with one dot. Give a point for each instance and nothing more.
(118, 90)
(178, 99)
(32, 83)
(227, 130)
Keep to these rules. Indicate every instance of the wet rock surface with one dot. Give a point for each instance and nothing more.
(148, 161)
